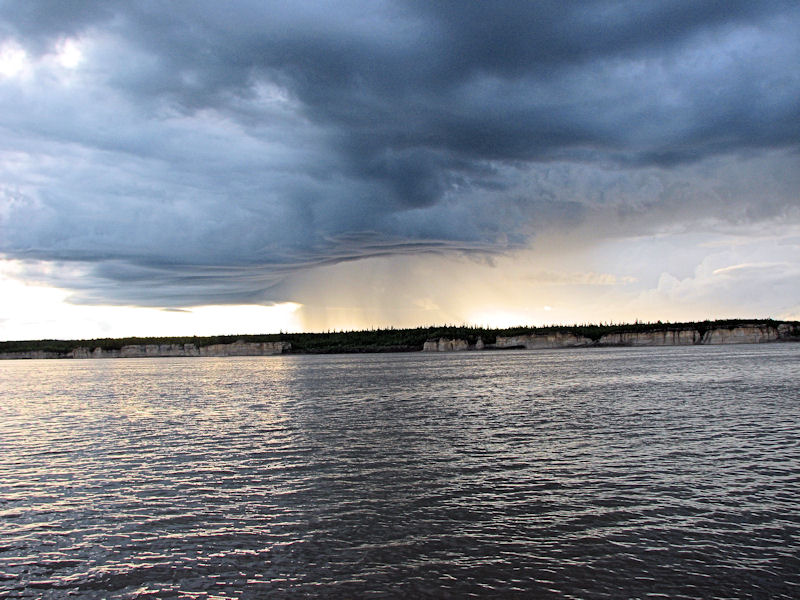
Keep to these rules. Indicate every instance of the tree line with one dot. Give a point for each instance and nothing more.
(391, 339)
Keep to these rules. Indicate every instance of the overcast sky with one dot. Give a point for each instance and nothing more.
(351, 164)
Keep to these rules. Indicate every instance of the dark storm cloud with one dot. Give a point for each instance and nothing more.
(204, 150)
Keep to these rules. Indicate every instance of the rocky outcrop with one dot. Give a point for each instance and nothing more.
(682, 337)
(543, 341)
(451, 345)
(734, 331)
(445, 345)
(136, 351)
(83, 352)
(155, 350)
(238, 348)
(745, 334)
(29, 354)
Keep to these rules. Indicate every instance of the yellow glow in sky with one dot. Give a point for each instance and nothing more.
(40, 312)
(648, 279)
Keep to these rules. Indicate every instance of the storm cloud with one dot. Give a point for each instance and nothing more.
(204, 152)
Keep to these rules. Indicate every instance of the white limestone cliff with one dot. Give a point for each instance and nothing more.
(682, 337)
(240, 348)
(744, 334)
(237, 348)
(30, 354)
(543, 341)
(668, 336)
(445, 345)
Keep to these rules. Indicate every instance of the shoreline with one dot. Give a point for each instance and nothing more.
(431, 339)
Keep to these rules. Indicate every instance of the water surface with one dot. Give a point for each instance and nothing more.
(595, 473)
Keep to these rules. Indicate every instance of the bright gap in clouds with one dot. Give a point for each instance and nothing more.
(498, 318)
(41, 312)
(69, 54)
(13, 59)
(681, 277)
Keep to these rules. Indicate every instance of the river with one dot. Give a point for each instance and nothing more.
(596, 473)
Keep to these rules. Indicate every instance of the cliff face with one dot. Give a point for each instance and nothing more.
(543, 341)
(749, 334)
(451, 345)
(746, 335)
(683, 337)
(445, 345)
(136, 351)
(732, 331)
(30, 354)
(238, 348)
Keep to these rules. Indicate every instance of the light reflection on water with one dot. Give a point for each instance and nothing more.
(609, 472)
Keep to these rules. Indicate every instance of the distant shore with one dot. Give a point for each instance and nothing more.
(428, 339)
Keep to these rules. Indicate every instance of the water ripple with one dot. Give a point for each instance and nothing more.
(652, 472)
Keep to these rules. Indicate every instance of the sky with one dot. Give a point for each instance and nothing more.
(203, 167)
